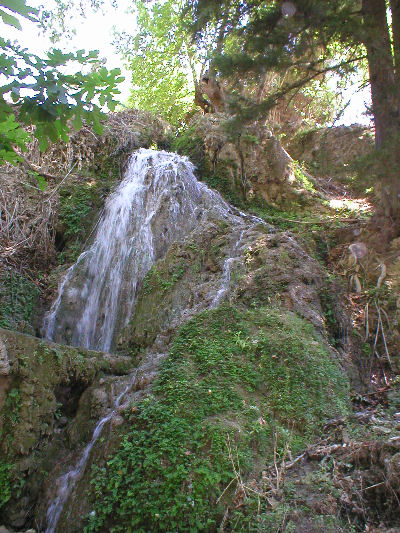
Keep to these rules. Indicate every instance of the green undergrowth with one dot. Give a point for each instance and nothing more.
(5, 482)
(18, 298)
(233, 381)
(80, 202)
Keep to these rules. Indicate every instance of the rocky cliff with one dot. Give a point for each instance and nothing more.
(226, 402)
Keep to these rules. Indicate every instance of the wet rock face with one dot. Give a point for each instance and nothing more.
(248, 264)
(158, 202)
(178, 251)
(40, 400)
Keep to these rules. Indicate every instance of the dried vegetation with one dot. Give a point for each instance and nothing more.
(29, 198)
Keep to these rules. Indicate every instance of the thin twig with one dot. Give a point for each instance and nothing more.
(383, 336)
(61, 182)
(226, 488)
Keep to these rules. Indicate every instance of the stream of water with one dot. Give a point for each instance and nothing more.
(67, 482)
(159, 201)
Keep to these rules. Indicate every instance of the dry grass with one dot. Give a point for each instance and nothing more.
(28, 215)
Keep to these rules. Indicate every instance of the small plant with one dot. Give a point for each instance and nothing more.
(5, 483)
(18, 297)
(13, 406)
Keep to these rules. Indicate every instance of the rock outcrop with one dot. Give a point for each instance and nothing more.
(49, 400)
(255, 164)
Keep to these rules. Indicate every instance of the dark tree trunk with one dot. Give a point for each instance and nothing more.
(381, 69)
(385, 108)
(395, 9)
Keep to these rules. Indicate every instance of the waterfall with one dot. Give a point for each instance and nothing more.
(158, 201)
(67, 482)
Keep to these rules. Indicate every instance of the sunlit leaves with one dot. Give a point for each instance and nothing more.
(11, 134)
(161, 60)
(46, 94)
(10, 8)
(54, 93)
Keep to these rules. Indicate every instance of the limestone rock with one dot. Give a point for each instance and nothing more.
(255, 165)
(4, 361)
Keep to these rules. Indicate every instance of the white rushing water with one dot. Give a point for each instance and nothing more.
(67, 482)
(158, 201)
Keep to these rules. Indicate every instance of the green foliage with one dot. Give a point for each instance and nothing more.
(161, 60)
(80, 202)
(233, 379)
(18, 297)
(5, 483)
(188, 142)
(296, 50)
(11, 134)
(76, 202)
(43, 92)
(13, 406)
(16, 7)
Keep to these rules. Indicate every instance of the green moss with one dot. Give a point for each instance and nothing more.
(5, 483)
(217, 176)
(220, 179)
(18, 298)
(80, 202)
(161, 279)
(13, 406)
(189, 143)
(30, 407)
(233, 380)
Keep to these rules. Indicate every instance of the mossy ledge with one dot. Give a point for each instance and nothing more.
(41, 389)
(235, 383)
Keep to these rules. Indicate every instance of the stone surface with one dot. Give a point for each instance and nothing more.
(4, 362)
(256, 164)
(41, 407)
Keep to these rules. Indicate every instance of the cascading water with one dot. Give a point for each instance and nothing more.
(159, 201)
(67, 482)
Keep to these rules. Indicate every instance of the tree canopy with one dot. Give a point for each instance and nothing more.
(306, 39)
(53, 94)
(302, 40)
(161, 59)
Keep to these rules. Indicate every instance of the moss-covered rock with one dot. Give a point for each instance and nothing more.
(235, 383)
(179, 285)
(256, 266)
(252, 166)
(42, 385)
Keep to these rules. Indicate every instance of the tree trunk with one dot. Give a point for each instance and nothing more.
(385, 107)
(381, 70)
(395, 9)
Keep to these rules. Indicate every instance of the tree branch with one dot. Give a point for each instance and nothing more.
(34, 168)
